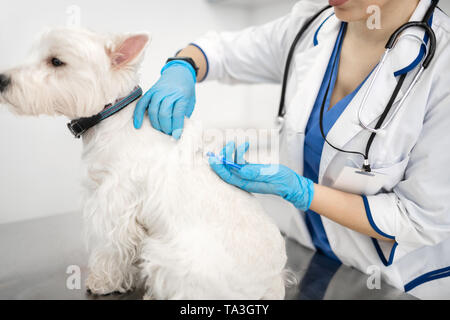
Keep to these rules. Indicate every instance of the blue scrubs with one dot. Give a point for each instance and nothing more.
(314, 141)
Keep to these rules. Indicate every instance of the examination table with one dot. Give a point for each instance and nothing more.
(37, 259)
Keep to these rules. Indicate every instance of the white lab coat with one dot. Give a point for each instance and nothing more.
(414, 203)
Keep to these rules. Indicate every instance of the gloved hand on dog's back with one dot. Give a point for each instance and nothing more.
(170, 99)
(262, 178)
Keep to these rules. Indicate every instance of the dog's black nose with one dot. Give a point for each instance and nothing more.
(4, 82)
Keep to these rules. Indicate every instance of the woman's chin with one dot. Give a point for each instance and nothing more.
(349, 15)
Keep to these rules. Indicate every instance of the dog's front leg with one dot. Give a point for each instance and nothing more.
(111, 270)
(112, 264)
(114, 231)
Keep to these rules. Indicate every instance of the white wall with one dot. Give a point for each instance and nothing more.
(264, 99)
(40, 161)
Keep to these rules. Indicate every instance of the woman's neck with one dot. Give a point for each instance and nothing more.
(394, 14)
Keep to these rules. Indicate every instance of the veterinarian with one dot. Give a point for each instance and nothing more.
(364, 143)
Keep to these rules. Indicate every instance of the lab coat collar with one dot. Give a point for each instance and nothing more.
(408, 59)
(316, 34)
(409, 55)
(347, 126)
(310, 65)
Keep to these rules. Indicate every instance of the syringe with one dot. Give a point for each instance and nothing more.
(225, 161)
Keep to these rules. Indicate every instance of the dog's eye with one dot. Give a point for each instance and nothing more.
(56, 62)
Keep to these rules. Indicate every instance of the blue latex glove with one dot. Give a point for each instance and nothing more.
(258, 178)
(169, 100)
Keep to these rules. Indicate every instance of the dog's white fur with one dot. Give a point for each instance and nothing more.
(173, 223)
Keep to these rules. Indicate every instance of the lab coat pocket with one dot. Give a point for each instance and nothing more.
(392, 174)
(352, 179)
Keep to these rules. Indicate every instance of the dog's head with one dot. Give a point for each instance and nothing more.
(73, 72)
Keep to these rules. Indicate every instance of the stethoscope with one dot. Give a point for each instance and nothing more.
(381, 124)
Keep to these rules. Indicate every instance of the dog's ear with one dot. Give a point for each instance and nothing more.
(127, 50)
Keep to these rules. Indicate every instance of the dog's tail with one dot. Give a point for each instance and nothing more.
(290, 278)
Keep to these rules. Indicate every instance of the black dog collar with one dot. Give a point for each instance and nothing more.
(80, 125)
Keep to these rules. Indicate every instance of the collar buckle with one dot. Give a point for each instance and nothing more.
(75, 128)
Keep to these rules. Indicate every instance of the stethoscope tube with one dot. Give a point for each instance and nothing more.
(281, 110)
(322, 109)
(389, 46)
(421, 24)
(426, 62)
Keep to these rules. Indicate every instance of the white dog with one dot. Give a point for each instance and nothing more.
(176, 225)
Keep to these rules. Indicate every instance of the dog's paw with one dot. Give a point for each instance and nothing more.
(147, 297)
(103, 286)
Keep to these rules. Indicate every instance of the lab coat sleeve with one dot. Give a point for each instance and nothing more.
(417, 211)
(256, 54)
